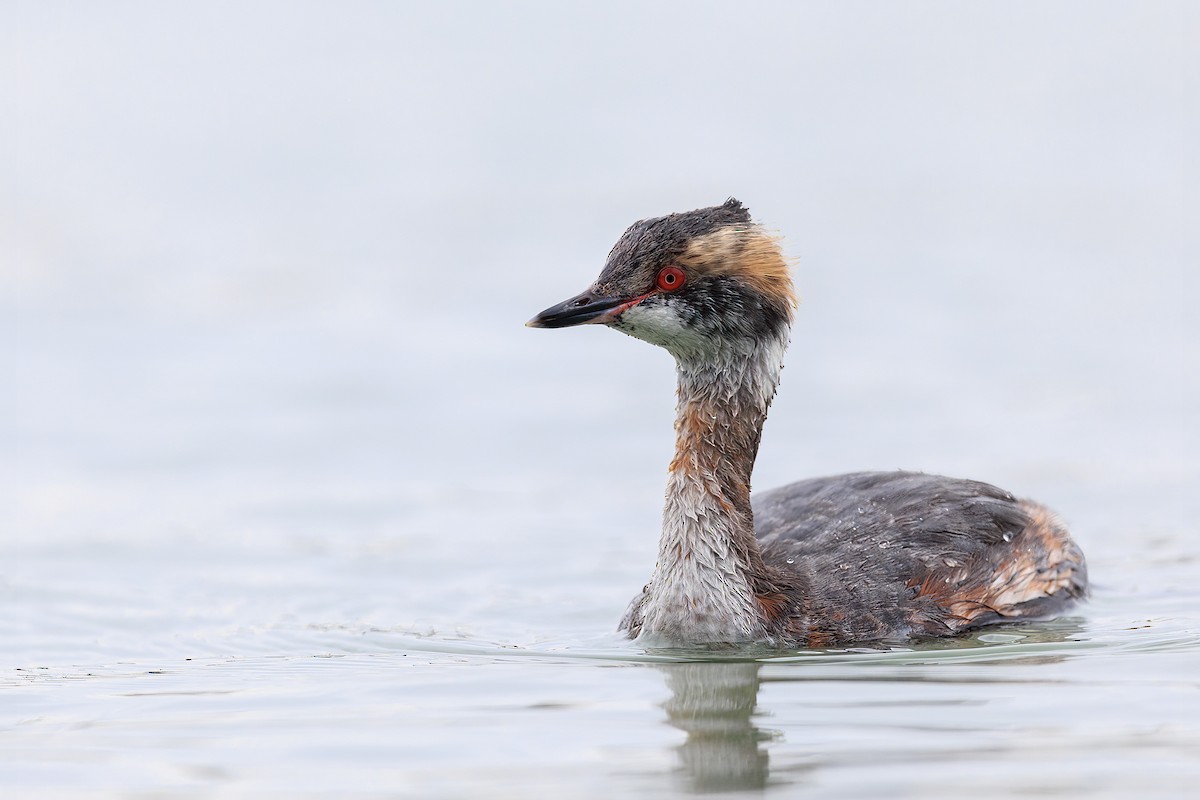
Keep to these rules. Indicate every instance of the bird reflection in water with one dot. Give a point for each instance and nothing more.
(713, 703)
(716, 703)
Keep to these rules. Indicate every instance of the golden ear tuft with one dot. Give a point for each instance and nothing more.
(748, 253)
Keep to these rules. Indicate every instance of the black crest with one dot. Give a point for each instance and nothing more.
(648, 243)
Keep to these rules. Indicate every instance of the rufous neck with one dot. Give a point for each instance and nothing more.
(722, 404)
(710, 573)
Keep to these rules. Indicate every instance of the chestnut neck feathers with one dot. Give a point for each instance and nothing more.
(710, 575)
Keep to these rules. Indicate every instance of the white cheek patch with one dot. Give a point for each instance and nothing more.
(658, 324)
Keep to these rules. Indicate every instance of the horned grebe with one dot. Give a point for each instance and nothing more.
(853, 558)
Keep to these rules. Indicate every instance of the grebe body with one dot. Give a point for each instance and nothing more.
(875, 556)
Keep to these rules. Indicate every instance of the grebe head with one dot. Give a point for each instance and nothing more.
(694, 283)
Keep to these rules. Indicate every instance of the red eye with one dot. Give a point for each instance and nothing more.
(670, 278)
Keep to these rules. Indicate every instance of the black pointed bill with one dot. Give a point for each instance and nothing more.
(582, 309)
